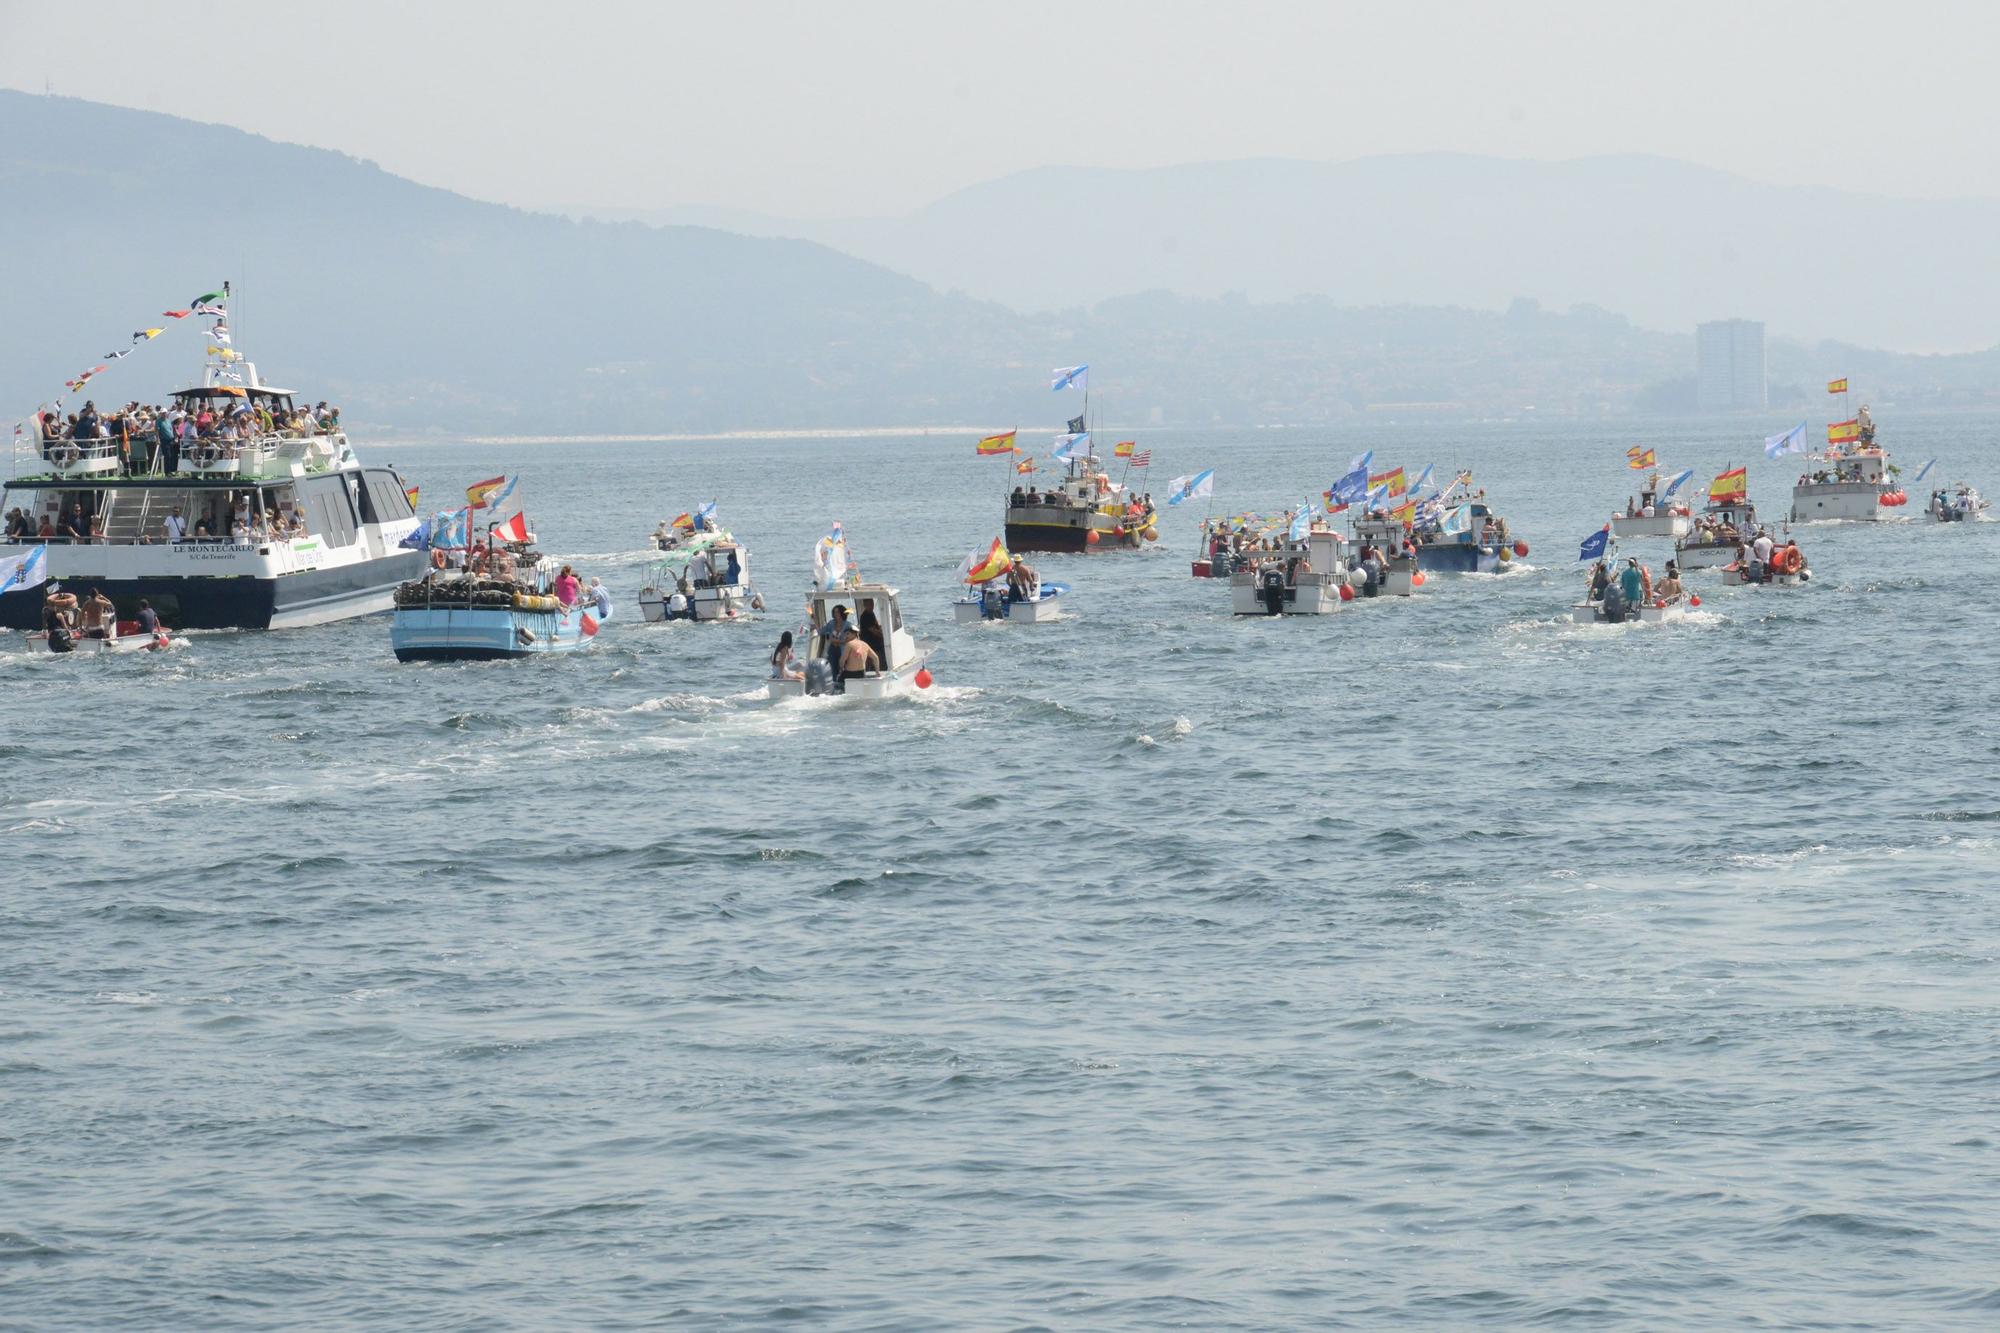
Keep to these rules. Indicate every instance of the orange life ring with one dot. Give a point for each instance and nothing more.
(1789, 559)
(437, 558)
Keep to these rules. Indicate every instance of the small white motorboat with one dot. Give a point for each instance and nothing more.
(873, 609)
(996, 601)
(705, 578)
(1653, 515)
(1955, 504)
(127, 637)
(1304, 576)
(1593, 613)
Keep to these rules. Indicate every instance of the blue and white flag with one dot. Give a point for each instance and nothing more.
(1361, 461)
(419, 538)
(1302, 520)
(704, 517)
(1421, 481)
(1676, 484)
(30, 569)
(1594, 544)
(499, 497)
(1189, 488)
(1792, 441)
(1063, 376)
(1922, 471)
(1352, 488)
(1071, 448)
(1459, 519)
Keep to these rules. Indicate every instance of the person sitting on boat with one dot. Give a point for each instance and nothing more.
(567, 589)
(857, 656)
(148, 618)
(1669, 589)
(782, 667)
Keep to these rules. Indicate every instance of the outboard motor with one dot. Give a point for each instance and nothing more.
(1614, 603)
(1372, 585)
(819, 676)
(1273, 592)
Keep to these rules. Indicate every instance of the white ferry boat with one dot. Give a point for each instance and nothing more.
(271, 523)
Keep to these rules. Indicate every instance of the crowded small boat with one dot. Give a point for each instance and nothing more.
(1631, 596)
(91, 625)
(703, 576)
(856, 644)
(494, 598)
(1004, 587)
(1387, 556)
(1761, 562)
(1955, 504)
(1457, 532)
(1724, 524)
(1306, 574)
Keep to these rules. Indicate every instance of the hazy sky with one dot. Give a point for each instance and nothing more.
(819, 109)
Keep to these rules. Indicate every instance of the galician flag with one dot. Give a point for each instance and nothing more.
(30, 569)
(1791, 441)
(1302, 520)
(1190, 488)
(1062, 377)
(1070, 448)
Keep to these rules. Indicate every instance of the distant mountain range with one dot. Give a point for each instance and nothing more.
(1666, 243)
(417, 309)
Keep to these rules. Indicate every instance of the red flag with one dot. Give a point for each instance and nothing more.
(514, 529)
(589, 625)
(176, 314)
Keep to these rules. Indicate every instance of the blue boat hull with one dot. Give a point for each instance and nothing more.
(1458, 558)
(482, 634)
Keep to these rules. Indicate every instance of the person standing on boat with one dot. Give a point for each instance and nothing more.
(833, 634)
(1669, 589)
(1600, 579)
(567, 588)
(857, 656)
(1631, 583)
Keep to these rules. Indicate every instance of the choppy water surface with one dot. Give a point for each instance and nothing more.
(1439, 963)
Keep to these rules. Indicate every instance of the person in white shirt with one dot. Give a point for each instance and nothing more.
(173, 526)
(1762, 546)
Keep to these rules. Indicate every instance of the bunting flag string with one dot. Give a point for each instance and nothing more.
(209, 303)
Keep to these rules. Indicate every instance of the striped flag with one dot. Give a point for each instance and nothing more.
(1837, 386)
(479, 492)
(1144, 458)
(1003, 443)
(1124, 448)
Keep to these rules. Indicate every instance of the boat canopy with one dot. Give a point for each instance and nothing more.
(206, 391)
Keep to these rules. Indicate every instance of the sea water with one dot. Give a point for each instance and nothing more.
(1441, 962)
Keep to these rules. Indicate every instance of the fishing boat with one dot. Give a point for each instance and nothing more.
(260, 516)
(704, 578)
(840, 608)
(1386, 557)
(1786, 568)
(1457, 532)
(1955, 504)
(1595, 613)
(1726, 522)
(1653, 514)
(1227, 541)
(1850, 481)
(1085, 510)
(499, 603)
(1004, 587)
(1305, 575)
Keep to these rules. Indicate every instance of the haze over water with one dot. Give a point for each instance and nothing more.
(1437, 963)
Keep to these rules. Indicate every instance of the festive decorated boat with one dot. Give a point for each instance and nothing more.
(1085, 510)
(1955, 504)
(704, 578)
(1457, 532)
(241, 509)
(1306, 575)
(843, 608)
(1653, 513)
(501, 602)
(1851, 480)
(1004, 587)
(1726, 522)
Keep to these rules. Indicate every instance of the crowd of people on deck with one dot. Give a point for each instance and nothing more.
(151, 440)
(229, 517)
(1136, 510)
(1643, 506)
(1716, 530)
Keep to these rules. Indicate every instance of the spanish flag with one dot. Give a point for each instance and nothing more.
(685, 522)
(982, 569)
(411, 491)
(476, 493)
(1837, 386)
(1843, 432)
(998, 444)
(1640, 461)
(1124, 448)
(1406, 512)
(1731, 485)
(1393, 480)
(1635, 451)
(1025, 465)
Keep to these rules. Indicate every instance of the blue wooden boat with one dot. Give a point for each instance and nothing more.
(448, 616)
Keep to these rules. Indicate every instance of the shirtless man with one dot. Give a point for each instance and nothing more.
(1669, 589)
(857, 656)
(97, 615)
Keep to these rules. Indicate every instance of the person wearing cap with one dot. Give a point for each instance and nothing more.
(1630, 581)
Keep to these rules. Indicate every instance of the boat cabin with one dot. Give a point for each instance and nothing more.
(126, 511)
(871, 608)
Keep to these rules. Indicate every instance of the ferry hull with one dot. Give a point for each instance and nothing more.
(290, 601)
(482, 634)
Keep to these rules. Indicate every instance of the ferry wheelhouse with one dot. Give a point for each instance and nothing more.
(275, 526)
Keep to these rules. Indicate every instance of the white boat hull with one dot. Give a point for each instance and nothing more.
(971, 610)
(1659, 525)
(872, 688)
(1592, 613)
(1844, 501)
(1704, 555)
(729, 602)
(1319, 595)
(1732, 577)
(124, 643)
